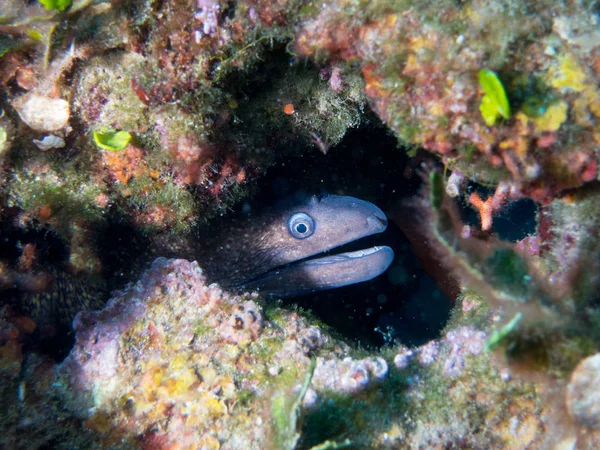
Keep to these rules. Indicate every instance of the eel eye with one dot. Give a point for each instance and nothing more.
(301, 225)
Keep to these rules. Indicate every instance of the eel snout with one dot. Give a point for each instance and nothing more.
(379, 217)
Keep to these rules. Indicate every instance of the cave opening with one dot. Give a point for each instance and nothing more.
(403, 305)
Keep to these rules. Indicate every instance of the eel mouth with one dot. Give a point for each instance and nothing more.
(323, 271)
(337, 257)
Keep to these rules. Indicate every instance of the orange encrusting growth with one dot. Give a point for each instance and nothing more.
(124, 165)
(485, 210)
(289, 109)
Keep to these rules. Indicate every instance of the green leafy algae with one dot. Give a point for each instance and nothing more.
(113, 141)
(495, 102)
(57, 5)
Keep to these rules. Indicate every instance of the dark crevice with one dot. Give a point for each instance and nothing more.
(402, 305)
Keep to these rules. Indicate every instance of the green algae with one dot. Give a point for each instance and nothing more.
(321, 116)
(265, 349)
(57, 5)
(550, 351)
(509, 271)
(499, 336)
(286, 413)
(202, 328)
(110, 140)
(246, 396)
(359, 418)
(69, 196)
(494, 103)
(104, 97)
(178, 204)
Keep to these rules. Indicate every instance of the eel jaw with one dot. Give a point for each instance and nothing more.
(327, 272)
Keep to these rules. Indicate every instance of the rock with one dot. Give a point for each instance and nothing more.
(172, 359)
(583, 396)
(42, 113)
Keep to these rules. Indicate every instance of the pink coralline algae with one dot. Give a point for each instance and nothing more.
(462, 342)
(348, 375)
(208, 15)
(172, 360)
(450, 351)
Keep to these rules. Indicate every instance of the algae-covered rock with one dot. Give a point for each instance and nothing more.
(582, 393)
(174, 360)
(442, 75)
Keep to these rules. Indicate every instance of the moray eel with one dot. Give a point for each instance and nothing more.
(271, 253)
(274, 252)
(67, 295)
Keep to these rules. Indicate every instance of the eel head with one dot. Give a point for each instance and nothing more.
(289, 250)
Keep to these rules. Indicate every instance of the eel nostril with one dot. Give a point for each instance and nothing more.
(382, 218)
(378, 219)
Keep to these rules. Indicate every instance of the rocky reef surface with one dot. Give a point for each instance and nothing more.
(175, 361)
(172, 362)
(126, 126)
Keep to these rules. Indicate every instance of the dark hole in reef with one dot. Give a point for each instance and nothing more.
(516, 221)
(403, 304)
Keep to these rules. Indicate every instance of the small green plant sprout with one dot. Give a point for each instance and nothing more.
(499, 336)
(56, 5)
(494, 103)
(113, 141)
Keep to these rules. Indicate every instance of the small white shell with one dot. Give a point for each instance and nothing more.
(42, 113)
(49, 142)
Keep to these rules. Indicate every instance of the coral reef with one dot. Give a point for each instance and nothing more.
(157, 116)
(542, 302)
(421, 63)
(175, 79)
(171, 360)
